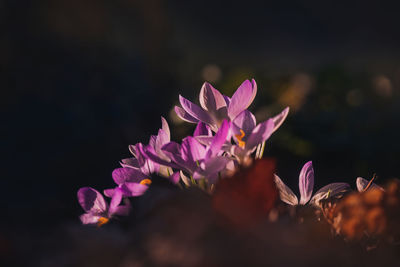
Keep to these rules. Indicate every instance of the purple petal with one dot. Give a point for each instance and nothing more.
(280, 118)
(210, 98)
(123, 210)
(260, 134)
(109, 192)
(91, 200)
(192, 150)
(134, 189)
(123, 175)
(306, 182)
(165, 127)
(202, 129)
(184, 115)
(245, 121)
(285, 193)
(89, 218)
(130, 163)
(175, 177)
(115, 201)
(242, 98)
(150, 154)
(195, 111)
(219, 139)
(329, 190)
(211, 166)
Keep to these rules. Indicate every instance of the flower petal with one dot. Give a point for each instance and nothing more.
(219, 139)
(202, 129)
(195, 111)
(280, 118)
(260, 134)
(242, 98)
(130, 163)
(329, 190)
(184, 115)
(134, 189)
(91, 201)
(362, 183)
(210, 98)
(285, 193)
(123, 175)
(306, 182)
(89, 218)
(115, 201)
(165, 127)
(192, 150)
(245, 121)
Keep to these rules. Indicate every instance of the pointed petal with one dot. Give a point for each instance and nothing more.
(210, 98)
(219, 139)
(306, 182)
(280, 118)
(329, 190)
(202, 129)
(130, 163)
(285, 193)
(184, 115)
(195, 111)
(260, 134)
(242, 98)
(165, 127)
(91, 200)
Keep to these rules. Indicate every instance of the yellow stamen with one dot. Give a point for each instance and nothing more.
(240, 137)
(145, 182)
(102, 221)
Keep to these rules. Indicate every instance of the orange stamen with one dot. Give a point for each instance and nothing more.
(145, 182)
(240, 137)
(102, 221)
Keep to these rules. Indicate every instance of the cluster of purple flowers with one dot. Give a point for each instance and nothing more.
(227, 135)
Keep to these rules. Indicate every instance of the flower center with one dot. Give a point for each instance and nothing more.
(102, 221)
(240, 138)
(145, 182)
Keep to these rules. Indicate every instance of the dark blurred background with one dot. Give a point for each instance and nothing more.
(83, 79)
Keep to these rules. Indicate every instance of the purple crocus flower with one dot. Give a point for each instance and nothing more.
(216, 107)
(130, 181)
(248, 135)
(306, 185)
(139, 161)
(96, 208)
(194, 158)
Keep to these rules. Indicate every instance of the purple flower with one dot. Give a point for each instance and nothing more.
(306, 185)
(96, 208)
(194, 158)
(363, 183)
(131, 182)
(139, 161)
(216, 107)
